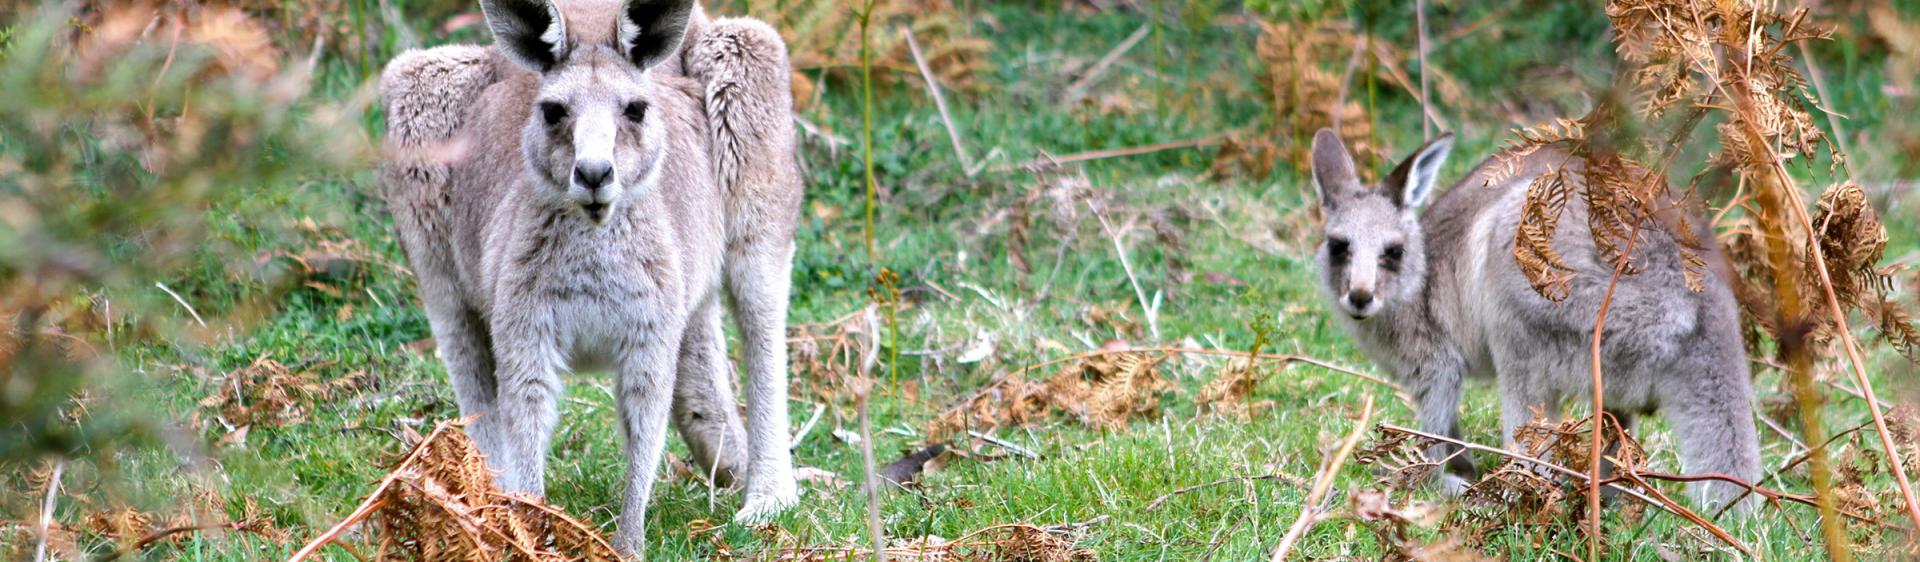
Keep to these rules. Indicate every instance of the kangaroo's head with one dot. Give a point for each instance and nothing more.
(1373, 255)
(590, 137)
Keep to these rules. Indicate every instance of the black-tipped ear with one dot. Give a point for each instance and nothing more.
(530, 32)
(1333, 175)
(650, 30)
(1413, 179)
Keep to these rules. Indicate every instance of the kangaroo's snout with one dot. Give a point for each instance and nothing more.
(593, 174)
(1360, 299)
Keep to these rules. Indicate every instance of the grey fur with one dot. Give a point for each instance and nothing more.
(526, 270)
(1456, 305)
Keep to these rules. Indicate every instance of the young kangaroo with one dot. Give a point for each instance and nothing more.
(575, 197)
(1436, 296)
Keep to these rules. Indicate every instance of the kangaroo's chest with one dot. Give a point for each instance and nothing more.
(600, 290)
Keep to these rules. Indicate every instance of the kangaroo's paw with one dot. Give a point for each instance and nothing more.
(1452, 484)
(763, 505)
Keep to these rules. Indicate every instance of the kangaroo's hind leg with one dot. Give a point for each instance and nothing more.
(462, 337)
(743, 65)
(703, 401)
(1708, 403)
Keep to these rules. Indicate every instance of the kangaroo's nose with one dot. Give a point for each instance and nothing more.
(593, 174)
(1359, 298)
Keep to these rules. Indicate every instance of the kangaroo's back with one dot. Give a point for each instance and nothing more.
(1474, 228)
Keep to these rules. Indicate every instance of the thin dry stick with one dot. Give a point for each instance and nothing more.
(805, 428)
(939, 101)
(154, 537)
(1426, 119)
(1004, 444)
(1639, 477)
(862, 388)
(1346, 80)
(46, 510)
(1666, 504)
(1149, 308)
(1280, 476)
(1053, 162)
(1820, 89)
(1310, 509)
(1400, 78)
(1078, 89)
(1599, 398)
(183, 303)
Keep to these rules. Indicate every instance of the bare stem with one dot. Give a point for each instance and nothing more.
(1599, 398)
(1310, 507)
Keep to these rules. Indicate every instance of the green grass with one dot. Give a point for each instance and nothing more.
(948, 238)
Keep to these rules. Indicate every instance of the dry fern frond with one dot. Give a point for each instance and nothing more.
(1231, 392)
(1304, 63)
(441, 503)
(1132, 388)
(1105, 390)
(823, 35)
(1899, 327)
(270, 393)
(1853, 241)
(1533, 250)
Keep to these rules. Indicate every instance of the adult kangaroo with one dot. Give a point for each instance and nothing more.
(1436, 296)
(582, 195)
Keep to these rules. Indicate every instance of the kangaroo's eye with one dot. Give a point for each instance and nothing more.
(636, 111)
(553, 112)
(1390, 259)
(1337, 249)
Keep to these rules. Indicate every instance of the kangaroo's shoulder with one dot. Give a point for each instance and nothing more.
(425, 92)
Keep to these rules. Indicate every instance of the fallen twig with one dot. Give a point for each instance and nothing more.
(1078, 89)
(1004, 444)
(807, 427)
(183, 303)
(1049, 162)
(1310, 507)
(862, 389)
(1280, 476)
(46, 510)
(939, 101)
(1151, 309)
(163, 534)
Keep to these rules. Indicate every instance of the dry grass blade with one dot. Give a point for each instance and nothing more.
(441, 503)
(1310, 510)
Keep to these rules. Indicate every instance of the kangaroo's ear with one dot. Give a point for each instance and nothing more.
(530, 32)
(1412, 181)
(650, 30)
(1333, 176)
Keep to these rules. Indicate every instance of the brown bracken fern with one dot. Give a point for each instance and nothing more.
(441, 503)
(1798, 272)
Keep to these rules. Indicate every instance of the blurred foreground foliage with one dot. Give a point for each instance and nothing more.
(123, 127)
